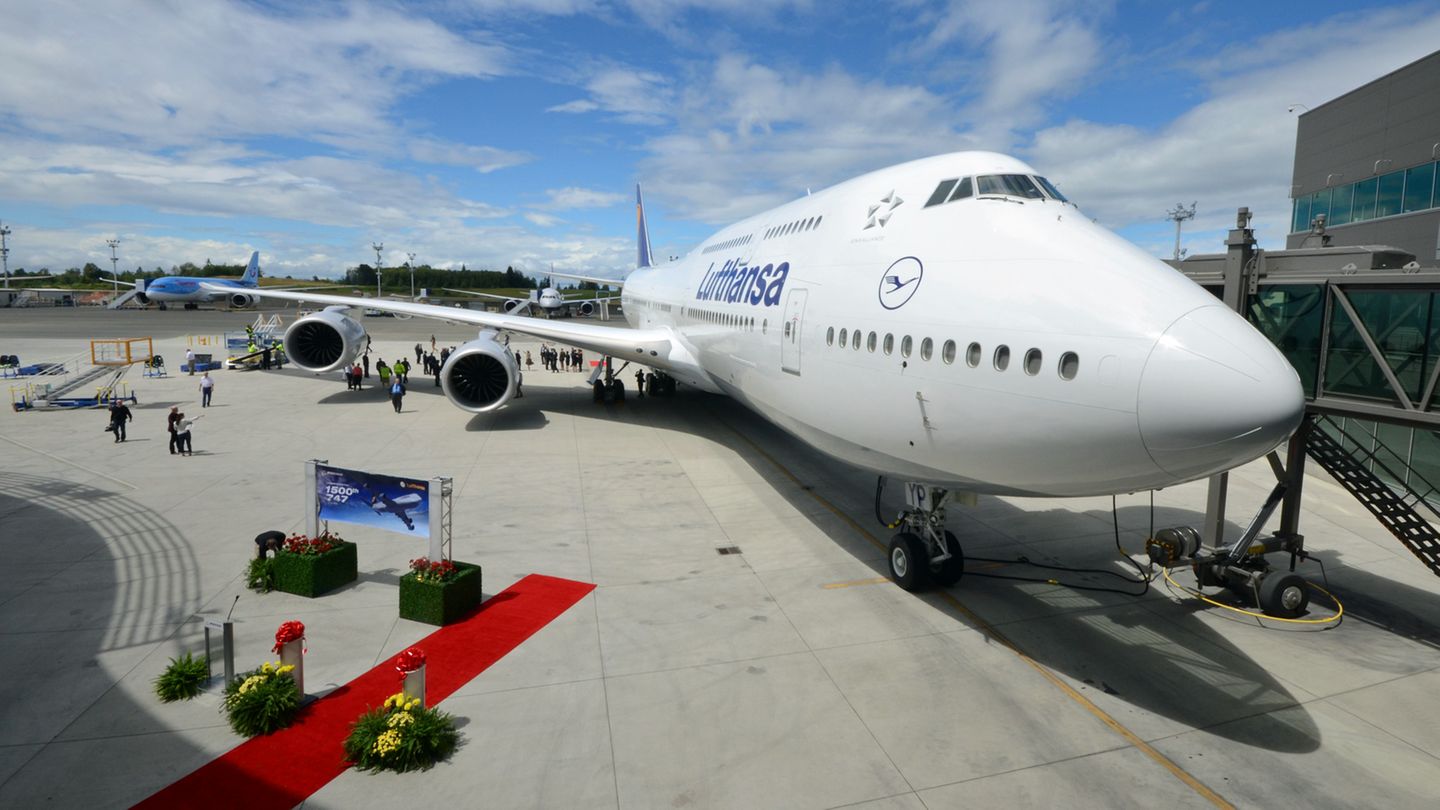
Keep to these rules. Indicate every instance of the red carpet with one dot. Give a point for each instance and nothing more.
(286, 767)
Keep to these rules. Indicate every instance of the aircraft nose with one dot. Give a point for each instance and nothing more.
(1215, 394)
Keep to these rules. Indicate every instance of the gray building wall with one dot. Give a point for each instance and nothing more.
(1391, 123)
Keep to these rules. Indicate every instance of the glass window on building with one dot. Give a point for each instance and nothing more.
(1419, 188)
(1397, 320)
(1320, 204)
(1363, 207)
(1291, 316)
(1302, 215)
(1387, 200)
(1340, 197)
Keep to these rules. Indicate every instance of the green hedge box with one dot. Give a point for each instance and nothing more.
(315, 574)
(440, 603)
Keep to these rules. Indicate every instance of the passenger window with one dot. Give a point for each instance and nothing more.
(855, 340)
(889, 343)
(942, 193)
(947, 352)
(927, 347)
(1002, 358)
(961, 191)
(905, 345)
(1069, 365)
(1032, 362)
(972, 355)
(844, 337)
(870, 342)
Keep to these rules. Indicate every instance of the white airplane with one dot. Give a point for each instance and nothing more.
(952, 322)
(549, 299)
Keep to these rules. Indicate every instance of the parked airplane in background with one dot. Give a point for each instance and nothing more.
(549, 299)
(197, 290)
(953, 322)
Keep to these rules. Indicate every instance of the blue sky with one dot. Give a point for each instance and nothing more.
(492, 133)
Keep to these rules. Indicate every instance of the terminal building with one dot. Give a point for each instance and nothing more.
(1366, 163)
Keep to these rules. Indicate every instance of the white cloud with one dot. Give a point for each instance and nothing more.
(483, 159)
(177, 73)
(630, 95)
(561, 199)
(1236, 147)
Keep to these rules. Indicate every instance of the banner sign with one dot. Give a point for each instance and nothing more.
(382, 501)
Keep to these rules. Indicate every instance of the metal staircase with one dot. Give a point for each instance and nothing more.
(1393, 504)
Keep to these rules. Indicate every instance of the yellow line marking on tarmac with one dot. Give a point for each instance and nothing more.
(830, 586)
(993, 633)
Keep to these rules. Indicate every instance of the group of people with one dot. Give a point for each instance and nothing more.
(555, 359)
(179, 426)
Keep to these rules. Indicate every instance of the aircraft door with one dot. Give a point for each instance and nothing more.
(790, 332)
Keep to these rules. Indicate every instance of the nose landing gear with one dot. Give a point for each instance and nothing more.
(923, 553)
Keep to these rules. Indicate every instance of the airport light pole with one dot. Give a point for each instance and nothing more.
(377, 246)
(114, 264)
(5, 253)
(410, 263)
(1180, 213)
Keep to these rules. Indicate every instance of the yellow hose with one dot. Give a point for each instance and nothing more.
(1339, 608)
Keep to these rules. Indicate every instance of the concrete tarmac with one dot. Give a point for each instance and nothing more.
(788, 675)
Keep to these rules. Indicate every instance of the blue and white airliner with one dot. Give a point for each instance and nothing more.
(199, 290)
(953, 322)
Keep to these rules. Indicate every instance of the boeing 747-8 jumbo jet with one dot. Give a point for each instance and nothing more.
(953, 322)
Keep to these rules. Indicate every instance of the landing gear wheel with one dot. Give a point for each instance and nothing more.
(617, 389)
(948, 572)
(1284, 594)
(909, 562)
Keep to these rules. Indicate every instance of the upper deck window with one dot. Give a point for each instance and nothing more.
(942, 192)
(1011, 185)
(1050, 189)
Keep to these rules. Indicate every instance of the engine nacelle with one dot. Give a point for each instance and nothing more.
(480, 376)
(325, 341)
(242, 300)
(511, 305)
(585, 308)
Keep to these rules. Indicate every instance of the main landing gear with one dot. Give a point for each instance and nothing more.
(923, 553)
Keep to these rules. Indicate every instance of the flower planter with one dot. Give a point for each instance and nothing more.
(314, 574)
(440, 603)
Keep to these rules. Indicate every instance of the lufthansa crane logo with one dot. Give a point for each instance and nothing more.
(900, 282)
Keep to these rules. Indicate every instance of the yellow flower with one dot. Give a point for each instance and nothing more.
(400, 719)
(285, 669)
(412, 704)
(265, 667)
(386, 743)
(251, 682)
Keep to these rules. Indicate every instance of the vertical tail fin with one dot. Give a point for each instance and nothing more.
(252, 271)
(642, 258)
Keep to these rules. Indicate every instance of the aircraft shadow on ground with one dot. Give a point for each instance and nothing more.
(1154, 654)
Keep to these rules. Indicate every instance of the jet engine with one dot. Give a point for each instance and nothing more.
(326, 341)
(511, 305)
(585, 308)
(480, 376)
(242, 300)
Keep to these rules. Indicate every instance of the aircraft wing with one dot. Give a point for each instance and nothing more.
(654, 347)
(118, 281)
(593, 280)
(523, 303)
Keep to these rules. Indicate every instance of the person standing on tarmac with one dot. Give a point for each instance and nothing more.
(365, 361)
(207, 387)
(119, 415)
(640, 384)
(397, 393)
(170, 421)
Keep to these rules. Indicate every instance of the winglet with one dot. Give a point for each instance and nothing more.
(252, 271)
(642, 258)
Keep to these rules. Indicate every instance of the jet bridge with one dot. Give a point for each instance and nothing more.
(1361, 326)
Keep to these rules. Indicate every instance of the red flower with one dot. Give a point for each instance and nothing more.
(409, 661)
(288, 632)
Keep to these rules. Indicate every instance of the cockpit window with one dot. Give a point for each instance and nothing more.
(1050, 189)
(962, 190)
(1013, 185)
(942, 192)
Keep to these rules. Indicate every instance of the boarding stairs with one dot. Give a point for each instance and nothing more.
(124, 298)
(1395, 503)
(24, 299)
